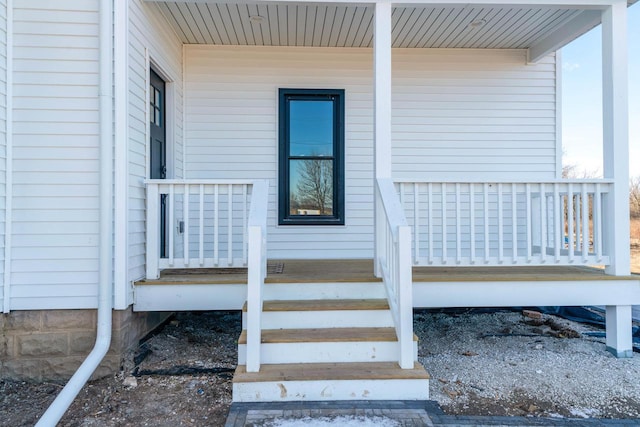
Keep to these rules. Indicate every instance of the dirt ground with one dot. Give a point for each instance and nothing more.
(181, 376)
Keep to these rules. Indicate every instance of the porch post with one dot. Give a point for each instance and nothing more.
(615, 123)
(619, 331)
(616, 166)
(381, 114)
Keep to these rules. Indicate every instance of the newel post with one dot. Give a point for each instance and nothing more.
(381, 115)
(153, 231)
(254, 298)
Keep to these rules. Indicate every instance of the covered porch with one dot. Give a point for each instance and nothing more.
(424, 186)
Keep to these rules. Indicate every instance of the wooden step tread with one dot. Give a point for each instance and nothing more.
(324, 305)
(272, 336)
(330, 371)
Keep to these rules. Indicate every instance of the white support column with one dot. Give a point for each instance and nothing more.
(381, 111)
(615, 114)
(619, 332)
(382, 89)
(615, 117)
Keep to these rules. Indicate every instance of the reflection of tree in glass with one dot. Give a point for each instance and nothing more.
(315, 186)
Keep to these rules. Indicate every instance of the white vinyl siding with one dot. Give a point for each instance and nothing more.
(149, 34)
(458, 114)
(473, 114)
(3, 141)
(55, 155)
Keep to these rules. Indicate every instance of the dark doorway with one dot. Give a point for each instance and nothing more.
(158, 143)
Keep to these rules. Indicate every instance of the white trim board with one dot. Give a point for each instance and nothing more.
(526, 293)
(425, 294)
(189, 297)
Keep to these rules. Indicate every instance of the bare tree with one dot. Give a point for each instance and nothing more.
(568, 171)
(634, 197)
(571, 171)
(315, 186)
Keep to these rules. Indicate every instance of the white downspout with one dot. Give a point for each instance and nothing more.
(105, 288)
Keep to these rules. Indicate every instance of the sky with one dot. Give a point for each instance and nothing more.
(582, 99)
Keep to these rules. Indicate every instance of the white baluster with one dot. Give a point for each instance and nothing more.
(416, 221)
(500, 226)
(216, 224)
(514, 220)
(201, 226)
(472, 221)
(230, 225)
(443, 186)
(458, 226)
(570, 216)
(185, 234)
(558, 222)
(430, 221)
(529, 223)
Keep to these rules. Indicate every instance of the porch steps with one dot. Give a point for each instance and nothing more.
(323, 345)
(326, 313)
(327, 340)
(330, 381)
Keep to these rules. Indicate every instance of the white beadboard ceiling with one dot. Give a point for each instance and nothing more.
(291, 24)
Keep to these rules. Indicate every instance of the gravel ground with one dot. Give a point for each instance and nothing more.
(508, 364)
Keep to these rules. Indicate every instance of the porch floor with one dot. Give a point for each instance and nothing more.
(361, 270)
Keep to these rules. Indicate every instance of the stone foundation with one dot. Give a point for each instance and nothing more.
(50, 345)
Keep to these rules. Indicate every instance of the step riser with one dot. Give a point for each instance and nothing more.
(310, 291)
(413, 389)
(324, 319)
(326, 352)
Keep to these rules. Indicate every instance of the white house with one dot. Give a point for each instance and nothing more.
(380, 156)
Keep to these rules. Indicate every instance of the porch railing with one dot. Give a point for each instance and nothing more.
(393, 258)
(557, 222)
(197, 224)
(257, 230)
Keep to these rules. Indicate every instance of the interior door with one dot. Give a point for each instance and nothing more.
(158, 144)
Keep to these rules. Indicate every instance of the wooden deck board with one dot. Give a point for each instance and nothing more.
(361, 271)
(325, 335)
(509, 274)
(330, 371)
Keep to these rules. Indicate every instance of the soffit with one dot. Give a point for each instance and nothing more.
(296, 24)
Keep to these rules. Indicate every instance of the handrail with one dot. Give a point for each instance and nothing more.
(203, 222)
(200, 181)
(394, 261)
(498, 222)
(506, 181)
(257, 268)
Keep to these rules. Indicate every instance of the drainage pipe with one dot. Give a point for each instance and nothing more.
(105, 289)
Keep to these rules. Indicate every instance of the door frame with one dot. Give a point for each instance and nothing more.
(169, 124)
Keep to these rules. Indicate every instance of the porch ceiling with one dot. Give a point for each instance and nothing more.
(330, 25)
